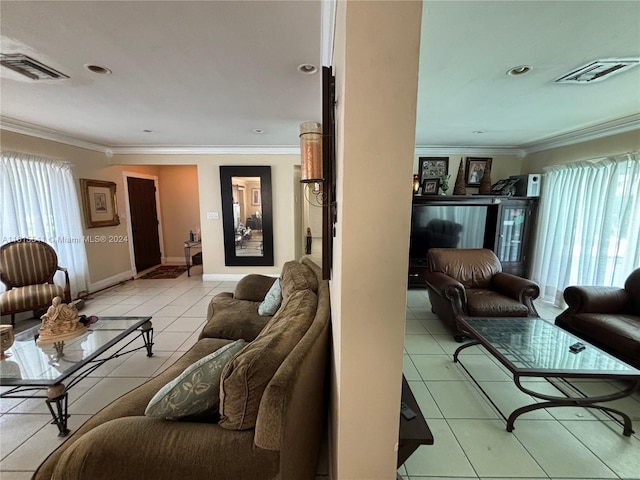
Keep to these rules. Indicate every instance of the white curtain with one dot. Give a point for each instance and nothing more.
(588, 225)
(38, 200)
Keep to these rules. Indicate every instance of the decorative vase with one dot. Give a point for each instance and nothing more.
(459, 188)
(6, 340)
(485, 181)
(444, 184)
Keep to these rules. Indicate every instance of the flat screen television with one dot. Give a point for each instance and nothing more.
(446, 227)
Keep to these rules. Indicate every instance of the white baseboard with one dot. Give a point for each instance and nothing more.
(173, 260)
(222, 277)
(111, 281)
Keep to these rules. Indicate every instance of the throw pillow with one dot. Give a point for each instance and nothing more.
(197, 389)
(271, 301)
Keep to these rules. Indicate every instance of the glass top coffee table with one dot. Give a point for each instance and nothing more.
(55, 369)
(533, 347)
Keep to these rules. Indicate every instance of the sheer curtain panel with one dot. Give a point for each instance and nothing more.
(588, 226)
(38, 200)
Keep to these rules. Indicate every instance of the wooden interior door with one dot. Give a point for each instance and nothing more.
(144, 222)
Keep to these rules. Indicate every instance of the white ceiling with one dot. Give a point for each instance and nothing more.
(205, 74)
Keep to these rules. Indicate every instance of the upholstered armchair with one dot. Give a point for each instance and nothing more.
(470, 282)
(27, 268)
(608, 317)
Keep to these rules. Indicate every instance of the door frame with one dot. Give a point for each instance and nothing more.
(132, 257)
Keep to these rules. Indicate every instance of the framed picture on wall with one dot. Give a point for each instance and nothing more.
(255, 196)
(433, 167)
(475, 169)
(99, 203)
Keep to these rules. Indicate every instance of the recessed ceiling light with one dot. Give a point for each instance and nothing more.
(98, 69)
(258, 130)
(520, 70)
(307, 69)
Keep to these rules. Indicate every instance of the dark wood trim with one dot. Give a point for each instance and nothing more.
(329, 209)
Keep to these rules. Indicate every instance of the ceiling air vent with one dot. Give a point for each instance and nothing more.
(29, 67)
(599, 70)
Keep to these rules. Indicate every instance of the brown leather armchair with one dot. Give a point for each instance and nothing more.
(470, 283)
(607, 317)
(27, 268)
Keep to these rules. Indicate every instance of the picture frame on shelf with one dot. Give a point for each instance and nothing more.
(430, 186)
(99, 203)
(432, 167)
(475, 168)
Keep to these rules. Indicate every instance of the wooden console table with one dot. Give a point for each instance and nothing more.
(414, 432)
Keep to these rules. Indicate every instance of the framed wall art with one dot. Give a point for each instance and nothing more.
(99, 203)
(475, 169)
(255, 196)
(433, 167)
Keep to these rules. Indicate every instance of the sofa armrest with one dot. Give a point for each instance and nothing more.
(442, 283)
(591, 299)
(253, 287)
(230, 318)
(148, 448)
(521, 289)
(448, 288)
(515, 287)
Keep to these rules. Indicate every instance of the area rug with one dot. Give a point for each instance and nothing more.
(165, 271)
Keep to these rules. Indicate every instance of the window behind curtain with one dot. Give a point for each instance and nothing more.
(38, 200)
(589, 225)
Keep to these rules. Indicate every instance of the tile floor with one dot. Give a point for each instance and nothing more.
(470, 438)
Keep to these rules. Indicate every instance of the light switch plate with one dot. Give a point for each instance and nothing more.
(212, 216)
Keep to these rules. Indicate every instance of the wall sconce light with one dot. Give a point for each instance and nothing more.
(311, 152)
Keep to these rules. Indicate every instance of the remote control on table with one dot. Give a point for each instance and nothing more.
(406, 411)
(577, 347)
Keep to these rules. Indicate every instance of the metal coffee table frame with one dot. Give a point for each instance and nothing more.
(56, 397)
(618, 370)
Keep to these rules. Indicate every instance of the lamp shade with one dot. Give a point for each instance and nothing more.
(311, 152)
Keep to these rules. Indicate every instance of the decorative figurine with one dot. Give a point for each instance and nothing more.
(460, 188)
(309, 239)
(61, 322)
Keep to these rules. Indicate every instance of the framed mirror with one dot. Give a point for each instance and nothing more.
(247, 219)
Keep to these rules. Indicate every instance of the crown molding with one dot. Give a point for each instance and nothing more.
(206, 150)
(25, 128)
(444, 150)
(606, 129)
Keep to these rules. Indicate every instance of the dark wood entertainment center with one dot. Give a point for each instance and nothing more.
(499, 223)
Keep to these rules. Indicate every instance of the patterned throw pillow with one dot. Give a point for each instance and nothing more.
(272, 300)
(197, 389)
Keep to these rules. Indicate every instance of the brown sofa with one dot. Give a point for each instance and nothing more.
(608, 317)
(270, 425)
(470, 282)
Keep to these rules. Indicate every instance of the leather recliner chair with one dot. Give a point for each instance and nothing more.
(607, 317)
(470, 283)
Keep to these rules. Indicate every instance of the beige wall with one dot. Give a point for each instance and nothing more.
(376, 68)
(189, 186)
(108, 262)
(601, 147)
(179, 202)
(208, 168)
